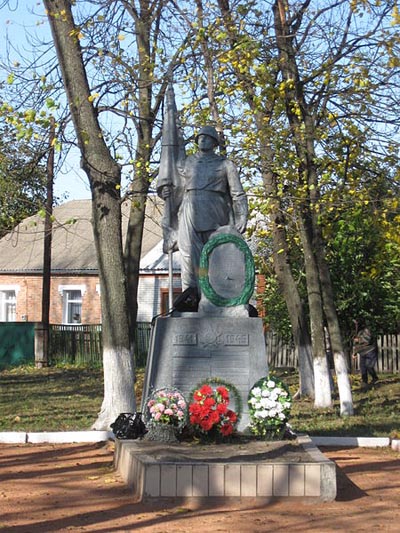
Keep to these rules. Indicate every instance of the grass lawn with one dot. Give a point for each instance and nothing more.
(65, 399)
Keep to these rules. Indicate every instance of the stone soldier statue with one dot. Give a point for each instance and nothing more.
(211, 196)
(204, 214)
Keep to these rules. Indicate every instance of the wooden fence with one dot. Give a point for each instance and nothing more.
(279, 352)
(282, 354)
(142, 341)
(389, 353)
(82, 344)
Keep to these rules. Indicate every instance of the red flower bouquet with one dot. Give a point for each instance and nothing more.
(209, 413)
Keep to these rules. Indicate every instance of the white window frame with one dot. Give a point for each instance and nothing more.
(64, 290)
(6, 301)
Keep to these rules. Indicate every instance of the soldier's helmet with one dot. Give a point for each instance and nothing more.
(210, 131)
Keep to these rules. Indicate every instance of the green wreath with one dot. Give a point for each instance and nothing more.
(204, 281)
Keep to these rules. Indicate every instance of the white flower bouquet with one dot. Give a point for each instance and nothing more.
(269, 407)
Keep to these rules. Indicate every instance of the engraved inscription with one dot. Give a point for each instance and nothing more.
(185, 339)
(233, 366)
(236, 339)
(224, 339)
(186, 372)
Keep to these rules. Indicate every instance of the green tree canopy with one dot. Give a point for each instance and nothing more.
(22, 180)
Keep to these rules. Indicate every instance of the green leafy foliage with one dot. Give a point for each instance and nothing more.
(362, 235)
(22, 180)
(342, 139)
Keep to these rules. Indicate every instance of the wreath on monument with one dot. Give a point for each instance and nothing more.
(209, 412)
(204, 281)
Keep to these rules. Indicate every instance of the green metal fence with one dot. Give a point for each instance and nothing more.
(17, 343)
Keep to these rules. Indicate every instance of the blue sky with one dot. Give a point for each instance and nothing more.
(21, 15)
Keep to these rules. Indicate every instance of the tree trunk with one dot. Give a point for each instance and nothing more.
(339, 358)
(133, 249)
(323, 396)
(295, 111)
(104, 176)
(300, 331)
(319, 286)
(48, 237)
(289, 289)
(143, 20)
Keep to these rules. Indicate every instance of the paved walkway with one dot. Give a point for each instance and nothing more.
(73, 487)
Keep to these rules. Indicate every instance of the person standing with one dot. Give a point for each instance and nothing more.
(364, 345)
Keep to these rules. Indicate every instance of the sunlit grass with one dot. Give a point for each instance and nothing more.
(376, 411)
(65, 399)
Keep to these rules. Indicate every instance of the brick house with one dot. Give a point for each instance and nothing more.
(75, 289)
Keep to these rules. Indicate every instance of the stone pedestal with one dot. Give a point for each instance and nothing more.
(188, 349)
(257, 471)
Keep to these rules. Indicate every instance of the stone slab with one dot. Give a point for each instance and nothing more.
(255, 470)
(185, 351)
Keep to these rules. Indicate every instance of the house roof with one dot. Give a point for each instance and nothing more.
(155, 260)
(73, 250)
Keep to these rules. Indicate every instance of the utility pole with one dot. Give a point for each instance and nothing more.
(48, 228)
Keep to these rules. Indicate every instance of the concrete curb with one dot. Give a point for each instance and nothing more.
(396, 445)
(367, 442)
(65, 437)
(57, 437)
(12, 437)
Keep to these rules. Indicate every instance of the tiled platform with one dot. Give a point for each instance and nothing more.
(261, 470)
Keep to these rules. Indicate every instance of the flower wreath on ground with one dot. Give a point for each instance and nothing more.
(166, 406)
(269, 407)
(209, 412)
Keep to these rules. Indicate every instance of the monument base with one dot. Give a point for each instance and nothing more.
(186, 350)
(263, 471)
